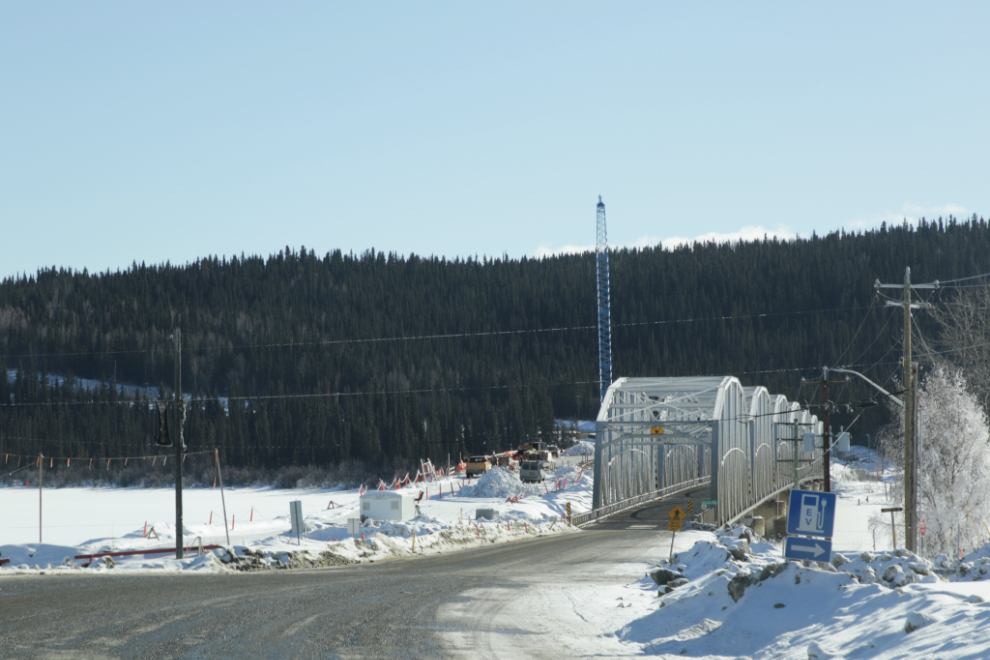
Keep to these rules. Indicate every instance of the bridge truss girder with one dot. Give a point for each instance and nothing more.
(653, 433)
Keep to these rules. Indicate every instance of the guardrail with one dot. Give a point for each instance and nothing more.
(611, 509)
(147, 551)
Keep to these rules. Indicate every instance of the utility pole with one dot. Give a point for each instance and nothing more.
(41, 487)
(179, 444)
(826, 406)
(794, 452)
(910, 464)
(826, 434)
(910, 407)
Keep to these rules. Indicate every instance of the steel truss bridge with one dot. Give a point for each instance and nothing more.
(658, 436)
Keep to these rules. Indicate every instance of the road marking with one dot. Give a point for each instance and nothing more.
(641, 527)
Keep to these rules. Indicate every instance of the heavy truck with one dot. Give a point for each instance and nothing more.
(477, 465)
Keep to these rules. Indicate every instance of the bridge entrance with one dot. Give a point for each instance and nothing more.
(659, 436)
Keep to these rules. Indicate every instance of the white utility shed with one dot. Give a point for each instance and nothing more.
(388, 505)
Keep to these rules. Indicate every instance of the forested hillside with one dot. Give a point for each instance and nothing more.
(386, 359)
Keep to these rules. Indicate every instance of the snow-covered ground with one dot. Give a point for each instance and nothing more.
(583, 448)
(727, 594)
(724, 594)
(733, 597)
(582, 425)
(860, 498)
(125, 389)
(78, 521)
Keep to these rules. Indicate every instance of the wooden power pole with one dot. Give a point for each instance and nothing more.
(179, 444)
(826, 406)
(910, 410)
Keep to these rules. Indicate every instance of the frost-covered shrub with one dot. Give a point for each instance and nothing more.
(954, 460)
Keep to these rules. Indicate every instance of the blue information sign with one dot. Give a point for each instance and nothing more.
(796, 547)
(811, 513)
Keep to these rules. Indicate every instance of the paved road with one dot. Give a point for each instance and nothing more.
(655, 515)
(489, 602)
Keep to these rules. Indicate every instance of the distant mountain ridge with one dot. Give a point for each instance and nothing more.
(383, 358)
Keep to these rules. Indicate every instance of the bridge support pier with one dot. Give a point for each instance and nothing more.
(772, 515)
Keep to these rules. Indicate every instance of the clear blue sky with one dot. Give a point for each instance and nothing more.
(169, 131)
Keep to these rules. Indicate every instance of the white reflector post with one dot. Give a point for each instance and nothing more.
(296, 518)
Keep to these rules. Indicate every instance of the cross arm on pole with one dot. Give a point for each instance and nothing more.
(931, 285)
(897, 303)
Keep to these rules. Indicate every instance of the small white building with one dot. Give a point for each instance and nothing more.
(387, 505)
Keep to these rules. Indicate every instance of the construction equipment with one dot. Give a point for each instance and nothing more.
(477, 465)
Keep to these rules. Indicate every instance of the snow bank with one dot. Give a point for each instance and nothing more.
(503, 483)
(973, 567)
(376, 541)
(891, 569)
(260, 538)
(581, 448)
(732, 595)
(498, 482)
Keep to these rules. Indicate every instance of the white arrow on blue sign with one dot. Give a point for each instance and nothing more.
(813, 549)
(811, 513)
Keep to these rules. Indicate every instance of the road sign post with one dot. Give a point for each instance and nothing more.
(674, 525)
(893, 526)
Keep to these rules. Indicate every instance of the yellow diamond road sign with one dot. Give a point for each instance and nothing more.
(656, 430)
(674, 526)
(677, 513)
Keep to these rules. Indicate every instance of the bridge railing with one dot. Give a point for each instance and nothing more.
(616, 507)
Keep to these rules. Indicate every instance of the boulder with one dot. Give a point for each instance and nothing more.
(915, 620)
(817, 652)
(663, 576)
(738, 554)
(737, 585)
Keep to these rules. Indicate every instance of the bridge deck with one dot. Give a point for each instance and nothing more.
(651, 516)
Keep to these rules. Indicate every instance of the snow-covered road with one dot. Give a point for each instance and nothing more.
(558, 599)
(540, 598)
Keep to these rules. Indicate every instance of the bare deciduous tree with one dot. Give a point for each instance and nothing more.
(964, 331)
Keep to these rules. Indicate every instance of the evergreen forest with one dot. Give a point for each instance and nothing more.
(301, 360)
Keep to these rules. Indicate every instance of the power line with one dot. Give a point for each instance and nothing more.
(881, 333)
(924, 343)
(324, 395)
(963, 279)
(856, 334)
(455, 335)
(314, 395)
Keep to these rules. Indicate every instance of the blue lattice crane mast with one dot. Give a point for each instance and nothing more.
(604, 306)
